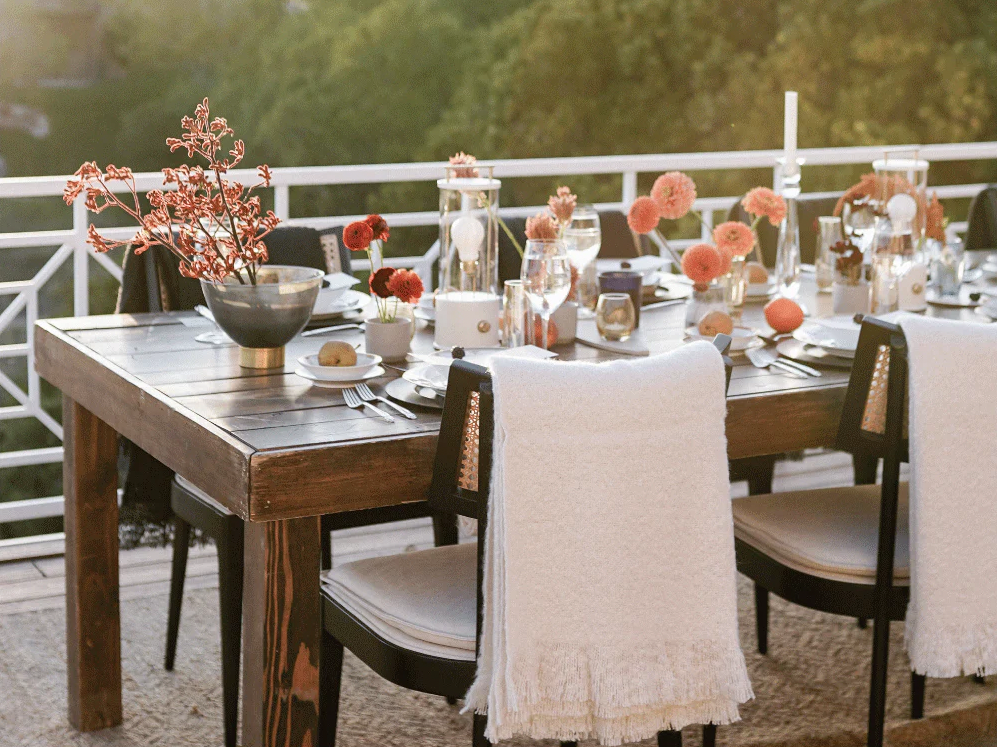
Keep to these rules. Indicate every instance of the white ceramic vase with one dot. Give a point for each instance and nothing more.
(566, 319)
(390, 340)
(850, 298)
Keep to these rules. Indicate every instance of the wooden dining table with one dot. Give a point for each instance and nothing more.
(279, 452)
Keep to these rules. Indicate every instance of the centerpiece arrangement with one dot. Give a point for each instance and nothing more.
(672, 197)
(214, 226)
(390, 333)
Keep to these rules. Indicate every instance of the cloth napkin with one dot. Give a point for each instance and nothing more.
(952, 616)
(610, 583)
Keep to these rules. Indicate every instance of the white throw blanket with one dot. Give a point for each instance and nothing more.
(952, 617)
(610, 594)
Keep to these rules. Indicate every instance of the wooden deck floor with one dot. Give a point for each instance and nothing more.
(36, 584)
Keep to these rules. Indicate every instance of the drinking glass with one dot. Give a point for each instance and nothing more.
(514, 314)
(583, 237)
(546, 276)
(614, 316)
(830, 234)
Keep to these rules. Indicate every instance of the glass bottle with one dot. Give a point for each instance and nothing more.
(787, 258)
(830, 234)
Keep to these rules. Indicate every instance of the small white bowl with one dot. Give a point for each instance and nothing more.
(757, 290)
(365, 362)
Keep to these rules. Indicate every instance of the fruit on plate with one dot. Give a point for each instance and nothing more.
(337, 353)
(756, 272)
(716, 323)
(783, 315)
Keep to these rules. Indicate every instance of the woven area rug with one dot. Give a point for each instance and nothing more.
(811, 689)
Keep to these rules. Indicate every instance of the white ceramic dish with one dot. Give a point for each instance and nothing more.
(371, 374)
(365, 362)
(837, 334)
(340, 303)
(426, 315)
(432, 375)
(758, 290)
(741, 338)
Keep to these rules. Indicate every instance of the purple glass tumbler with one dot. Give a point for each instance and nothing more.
(623, 281)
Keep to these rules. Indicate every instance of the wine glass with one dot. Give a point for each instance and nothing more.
(583, 237)
(546, 276)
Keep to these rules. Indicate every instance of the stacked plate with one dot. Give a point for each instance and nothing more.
(333, 303)
(339, 377)
(837, 336)
(741, 338)
(758, 292)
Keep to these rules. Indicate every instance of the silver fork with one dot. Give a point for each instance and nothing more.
(352, 400)
(367, 395)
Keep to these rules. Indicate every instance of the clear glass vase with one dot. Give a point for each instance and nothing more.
(704, 299)
(734, 284)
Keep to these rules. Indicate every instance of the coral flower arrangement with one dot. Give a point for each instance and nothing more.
(213, 225)
(672, 197)
(385, 283)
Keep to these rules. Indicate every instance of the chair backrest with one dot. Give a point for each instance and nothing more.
(462, 468)
(152, 281)
(879, 373)
(981, 231)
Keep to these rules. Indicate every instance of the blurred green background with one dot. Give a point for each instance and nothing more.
(313, 82)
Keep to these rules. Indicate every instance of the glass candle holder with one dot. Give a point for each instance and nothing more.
(514, 314)
(623, 281)
(830, 234)
(615, 317)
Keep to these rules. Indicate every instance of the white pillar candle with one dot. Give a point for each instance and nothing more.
(789, 129)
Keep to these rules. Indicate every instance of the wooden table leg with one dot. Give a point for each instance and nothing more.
(93, 622)
(282, 634)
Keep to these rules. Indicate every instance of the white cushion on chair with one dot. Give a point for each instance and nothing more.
(832, 533)
(423, 601)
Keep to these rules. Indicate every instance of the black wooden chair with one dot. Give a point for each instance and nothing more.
(153, 280)
(845, 550)
(416, 618)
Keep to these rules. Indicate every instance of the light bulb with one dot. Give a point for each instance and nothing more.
(901, 208)
(467, 233)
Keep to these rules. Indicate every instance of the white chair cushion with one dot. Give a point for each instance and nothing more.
(423, 601)
(832, 533)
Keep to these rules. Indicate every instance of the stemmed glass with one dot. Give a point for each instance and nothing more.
(583, 237)
(546, 276)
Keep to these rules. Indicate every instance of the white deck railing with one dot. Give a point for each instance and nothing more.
(70, 244)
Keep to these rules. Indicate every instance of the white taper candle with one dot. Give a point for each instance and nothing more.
(789, 129)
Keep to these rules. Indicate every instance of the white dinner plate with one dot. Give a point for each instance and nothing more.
(432, 375)
(371, 374)
(333, 303)
(426, 315)
(741, 338)
(839, 335)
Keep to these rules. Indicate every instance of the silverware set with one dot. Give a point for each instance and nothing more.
(764, 358)
(360, 397)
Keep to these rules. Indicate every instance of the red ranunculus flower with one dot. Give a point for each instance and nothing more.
(379, 226)
(405, 285)
(357, 236)
(379, 282)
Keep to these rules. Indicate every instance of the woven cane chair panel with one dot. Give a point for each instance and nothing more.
(467, 477)
(874, 415)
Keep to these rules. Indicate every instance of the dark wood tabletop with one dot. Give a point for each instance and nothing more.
(279, 452)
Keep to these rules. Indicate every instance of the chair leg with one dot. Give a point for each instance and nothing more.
(862, 622)
(979, 679)
(762, 618)
(864, 468)
(877, 694)
(916, 695)
(760, 475)
(326, 549)
(670, 738)
(445, 530)
(451, 700)
(230, 566)
(710, 735)
(181, 542)
(569, 744)
(478, 738)
(330, 677)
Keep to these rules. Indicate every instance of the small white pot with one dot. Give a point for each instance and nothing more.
(848, 298)
(390, 340)
(566, 319)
